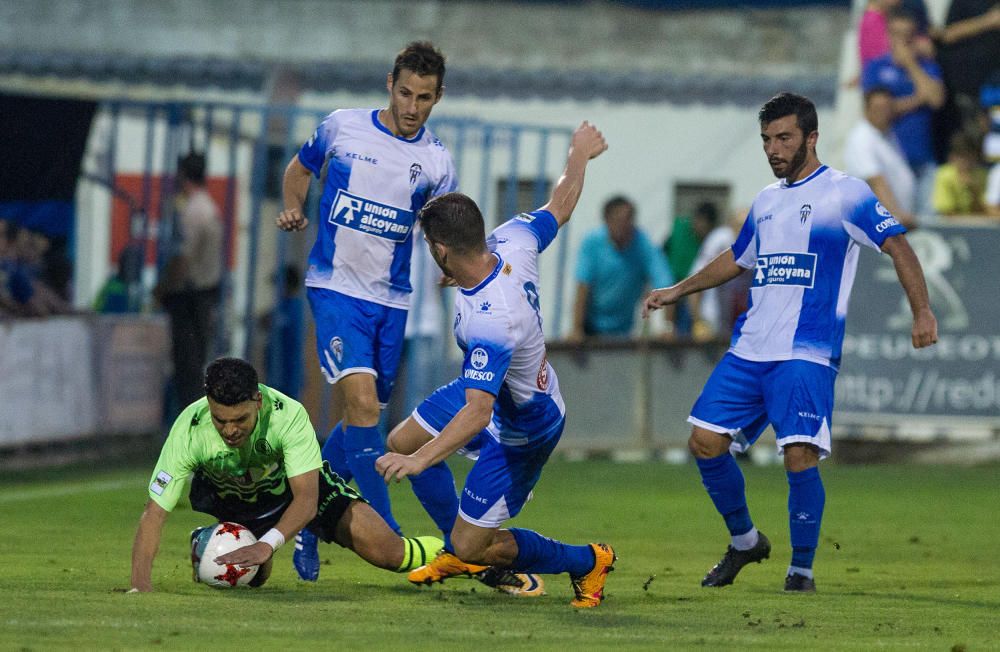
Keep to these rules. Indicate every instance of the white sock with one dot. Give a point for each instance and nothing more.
(746, 540)
(805, 572)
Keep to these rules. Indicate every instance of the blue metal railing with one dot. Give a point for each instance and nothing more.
(484, 154)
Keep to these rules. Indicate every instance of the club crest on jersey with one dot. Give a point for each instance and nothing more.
(337, 348)
(415, 173)
(804, 213)
(791, 269)
(371, 217)
(479, 358)
(882, 210)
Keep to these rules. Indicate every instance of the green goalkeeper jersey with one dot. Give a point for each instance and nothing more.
(283, 445)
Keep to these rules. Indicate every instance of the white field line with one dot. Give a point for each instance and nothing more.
(22, 495)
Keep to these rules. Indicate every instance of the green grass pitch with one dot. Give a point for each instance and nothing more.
(907, 561)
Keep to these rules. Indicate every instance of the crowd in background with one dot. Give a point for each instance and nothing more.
(34, 273)
(931, 126)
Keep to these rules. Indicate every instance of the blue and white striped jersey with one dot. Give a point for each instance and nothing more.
(802, 241)
(375, 185)
(498, 325)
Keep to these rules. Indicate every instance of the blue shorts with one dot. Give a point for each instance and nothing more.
(438, 409)
(742, 397)
(357, 336)
(503, 476)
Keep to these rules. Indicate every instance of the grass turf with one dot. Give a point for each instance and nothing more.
(907, 561)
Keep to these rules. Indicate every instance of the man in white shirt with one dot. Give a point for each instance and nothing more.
(873, 153)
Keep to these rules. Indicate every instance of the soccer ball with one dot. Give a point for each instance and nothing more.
(219, 539)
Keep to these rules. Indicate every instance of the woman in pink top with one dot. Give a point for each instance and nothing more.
(873, 32)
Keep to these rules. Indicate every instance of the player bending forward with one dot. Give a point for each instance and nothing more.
(801, 239)
(507, 396)
(253, 459)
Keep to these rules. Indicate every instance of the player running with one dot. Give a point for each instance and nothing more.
(801, 239)
(381, 166)
(252, 457)
(506, 402)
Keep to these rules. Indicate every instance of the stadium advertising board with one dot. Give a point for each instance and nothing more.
(883, 379)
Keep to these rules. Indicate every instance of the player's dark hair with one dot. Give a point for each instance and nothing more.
(784, 104)
(708, 211)
(231, 381)
(454, 220)
(876, 90)
(615, 202)
(192, 167)
(422, 58)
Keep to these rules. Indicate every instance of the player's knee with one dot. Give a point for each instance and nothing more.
(361, 409)
(705, 444)
(799, 457)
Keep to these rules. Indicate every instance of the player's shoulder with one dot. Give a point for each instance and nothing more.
(848, 185)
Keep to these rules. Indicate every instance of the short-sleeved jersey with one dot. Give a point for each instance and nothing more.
(802, 241)
(498, 325)
(375, 185)
(282, 445)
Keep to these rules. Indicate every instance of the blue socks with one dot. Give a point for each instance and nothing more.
(435, 489)
(359, 448)
(724, 482)
(806, 498)
(538, 554)
(333, 452)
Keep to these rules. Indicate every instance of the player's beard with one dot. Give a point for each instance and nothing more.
(795, 165)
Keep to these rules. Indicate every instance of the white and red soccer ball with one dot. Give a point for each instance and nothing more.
(216, 540)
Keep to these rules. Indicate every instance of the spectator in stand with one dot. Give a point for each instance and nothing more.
(960, 184)
(970, 55)
(681, 249)
(917, 90)
(872, 153)
(710, 312)
(24, 293)
(992, 199)
(615, 264)
(189, 285)
(285, 367)
(873, 30)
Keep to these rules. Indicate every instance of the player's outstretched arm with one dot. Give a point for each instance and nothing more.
(294, 187)
(911, 277)
(722, 268)
(302, 509)
(466, 424)
(147, 542)
(587, 143)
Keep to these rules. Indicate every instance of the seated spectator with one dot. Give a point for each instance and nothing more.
(992, 198)
(709, 308)
(22, 262)
(917, 90)
(616, 262)
(872, 153)
(960, 183)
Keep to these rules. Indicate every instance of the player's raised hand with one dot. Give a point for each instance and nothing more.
(588, 139)
(291, 219)
(658, 299)
(925, 331)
